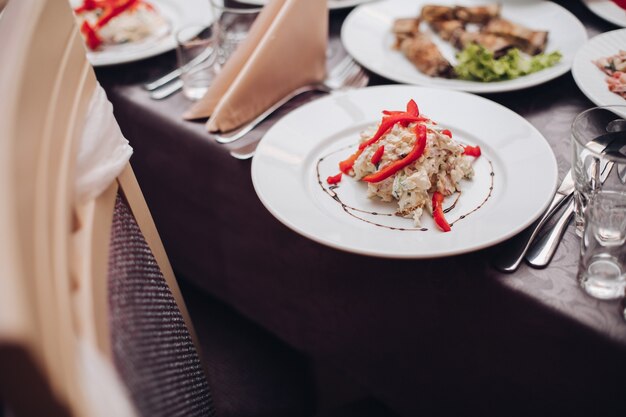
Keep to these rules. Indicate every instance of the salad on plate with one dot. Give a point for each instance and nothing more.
(615, 67)
(115, 22)
(408, 159)
(489, 47)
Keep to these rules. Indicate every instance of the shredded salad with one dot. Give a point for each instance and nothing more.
(115, 22)
(615, 67)
(409, 159)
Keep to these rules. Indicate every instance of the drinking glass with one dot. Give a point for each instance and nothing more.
(592, 131)
(602, 269)
(231, 26)
(197, 55)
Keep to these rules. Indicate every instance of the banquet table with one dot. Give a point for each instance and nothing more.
(449, 336)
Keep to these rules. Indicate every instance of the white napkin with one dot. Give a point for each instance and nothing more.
(103, 151)
(285, 49)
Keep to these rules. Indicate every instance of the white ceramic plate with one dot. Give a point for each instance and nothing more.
(589, 78)
(285, 174)
(608, 11)
(178, 15)
(332, 4)
(366, 34)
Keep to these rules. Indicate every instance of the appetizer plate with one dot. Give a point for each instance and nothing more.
(332, 4)
(589, 78)
(298, 153)
(608, 11)
(178, 14)
(367, 36)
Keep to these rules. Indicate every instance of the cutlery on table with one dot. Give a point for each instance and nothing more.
(167, 90)
(541, 252)
(511, 260)
(162, 88)
(347, 74)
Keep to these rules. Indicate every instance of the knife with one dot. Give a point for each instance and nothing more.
(541, 252)
(511, 260)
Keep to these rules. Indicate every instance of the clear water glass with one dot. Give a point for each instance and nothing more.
(232, 23)
(196, 55)
(598, 157)
(602, 269)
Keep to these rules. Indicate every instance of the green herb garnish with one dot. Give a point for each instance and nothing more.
(477, 63)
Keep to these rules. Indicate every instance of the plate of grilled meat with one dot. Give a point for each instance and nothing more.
(467, 45)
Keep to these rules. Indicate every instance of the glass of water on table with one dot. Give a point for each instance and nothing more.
(202, 51)
(197, 57)
(599, 167)
(233, 21)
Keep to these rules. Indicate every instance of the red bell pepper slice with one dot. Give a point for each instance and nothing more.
(91, 37)
(416, 152)
(472, 151)
(411, 115)
(620, 3)
(114, 11)
(346, 165)
(334, 179)
(438, 215)
(89, 5)
(378, 155)
(411, 109)
(447, 133)
(387, 123)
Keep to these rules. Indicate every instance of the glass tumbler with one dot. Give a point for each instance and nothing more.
(602, 269)
(598, 141)
(196, 58)
(233, 21)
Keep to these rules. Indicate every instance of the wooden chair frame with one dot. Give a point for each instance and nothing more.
(54, 253)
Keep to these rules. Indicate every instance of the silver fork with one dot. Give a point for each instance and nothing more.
(541, 252)
(510, 260)
(346, 74)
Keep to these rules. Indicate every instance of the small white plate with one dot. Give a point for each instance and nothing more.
(589, 78)
(332, 4)
(608, 11)
(366, 34)
(178, 14)
(290, 179)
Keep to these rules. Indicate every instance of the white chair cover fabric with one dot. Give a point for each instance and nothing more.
(103, 151)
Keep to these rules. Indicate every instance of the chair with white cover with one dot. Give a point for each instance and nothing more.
(92, 322)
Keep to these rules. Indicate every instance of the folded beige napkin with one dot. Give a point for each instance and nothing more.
(285, 49)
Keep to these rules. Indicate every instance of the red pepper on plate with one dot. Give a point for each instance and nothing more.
(620, 3)
(378, 155)
(416, 152)
(447, 133)
(472, 151)
(334, 179)
(111, 12)
(386, 124)
(438, 215)
(91, 37)
(411, 115)
(346, 165)
(89, 5)
(411, 109)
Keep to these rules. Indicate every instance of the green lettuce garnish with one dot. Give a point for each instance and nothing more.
(477, 63)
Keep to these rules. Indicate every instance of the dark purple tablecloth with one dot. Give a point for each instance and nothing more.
(439, 337)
